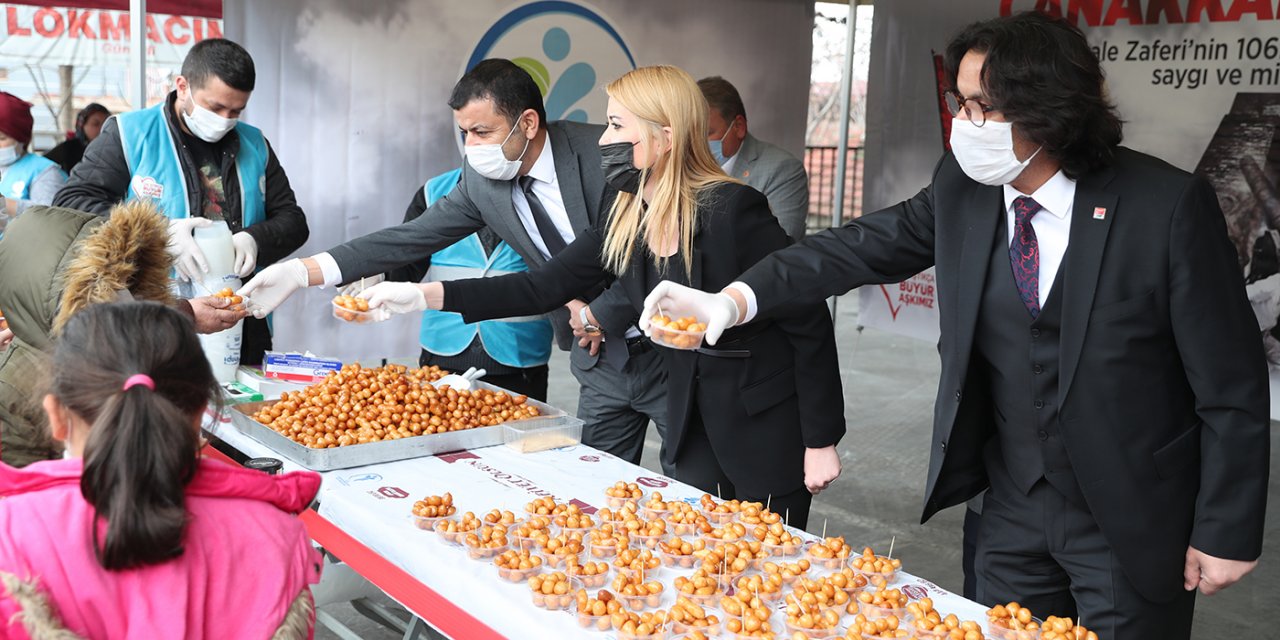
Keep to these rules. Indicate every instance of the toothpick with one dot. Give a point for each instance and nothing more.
(824, 528)
(718, 491)
(768, 501)
(895, 539)
(787, 518)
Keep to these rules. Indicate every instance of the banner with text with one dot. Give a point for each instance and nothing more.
(83, 37)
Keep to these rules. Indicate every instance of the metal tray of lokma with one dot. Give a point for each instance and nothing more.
(358, 455)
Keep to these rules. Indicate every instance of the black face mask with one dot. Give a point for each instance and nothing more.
(618, 162)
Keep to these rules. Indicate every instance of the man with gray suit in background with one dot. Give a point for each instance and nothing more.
(536, 185)
(770, 170)
(762, 165)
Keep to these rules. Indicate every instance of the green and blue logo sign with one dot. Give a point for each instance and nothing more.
(570, 50)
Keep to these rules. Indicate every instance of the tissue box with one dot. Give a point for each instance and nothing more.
(296, 367)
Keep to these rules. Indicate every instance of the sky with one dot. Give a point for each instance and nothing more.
(829, 42)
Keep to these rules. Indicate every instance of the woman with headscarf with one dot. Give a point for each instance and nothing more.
(26, 178)
(88, 125)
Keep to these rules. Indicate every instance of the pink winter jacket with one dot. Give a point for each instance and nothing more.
(246, 558)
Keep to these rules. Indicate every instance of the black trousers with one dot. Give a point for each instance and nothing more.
(969, 551)
(1047, 553)
(531, 381)
(255, 341)
(616, 406)
(698, 465)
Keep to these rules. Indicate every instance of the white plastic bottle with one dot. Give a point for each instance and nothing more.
(221, 348)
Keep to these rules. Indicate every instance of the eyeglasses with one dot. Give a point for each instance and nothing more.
(975, 110)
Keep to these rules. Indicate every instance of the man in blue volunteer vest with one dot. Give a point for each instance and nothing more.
(513, 351)
(25, 178)
(194, 157)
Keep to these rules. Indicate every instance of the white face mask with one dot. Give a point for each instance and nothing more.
(489, 161)
(9, 155)
(205, 124)
(986, 153)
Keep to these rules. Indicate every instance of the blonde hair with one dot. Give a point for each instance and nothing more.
(663, 96)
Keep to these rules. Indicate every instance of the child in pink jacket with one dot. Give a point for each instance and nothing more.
(135, 536)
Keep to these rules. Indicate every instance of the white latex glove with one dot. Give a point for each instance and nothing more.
(188, 259)
(391, 298)
(273, 285)
(718, 310)
(360, 285)
(246, 253)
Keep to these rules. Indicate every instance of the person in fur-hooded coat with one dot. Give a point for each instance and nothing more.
(55, 262)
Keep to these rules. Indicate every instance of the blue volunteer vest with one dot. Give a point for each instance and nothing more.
(156, 171)
(516, 342)
(18, 176)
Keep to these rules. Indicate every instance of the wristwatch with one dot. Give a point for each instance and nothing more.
(591, 329)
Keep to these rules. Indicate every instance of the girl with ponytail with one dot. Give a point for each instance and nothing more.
(135, 535)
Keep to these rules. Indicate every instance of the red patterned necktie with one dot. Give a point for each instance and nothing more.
(1024, 253)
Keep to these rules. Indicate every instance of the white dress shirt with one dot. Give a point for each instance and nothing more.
(547, 187)
(1052, 226)
(730, 163)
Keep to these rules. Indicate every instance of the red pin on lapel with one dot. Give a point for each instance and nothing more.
(1099, 213)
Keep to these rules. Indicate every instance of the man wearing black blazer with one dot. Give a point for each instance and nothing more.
(536, 185)
(1102, 371)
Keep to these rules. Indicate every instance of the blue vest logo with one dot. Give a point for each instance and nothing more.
(147, 187)
(570, 49)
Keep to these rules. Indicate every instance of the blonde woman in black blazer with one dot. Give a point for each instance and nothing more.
(758, 416)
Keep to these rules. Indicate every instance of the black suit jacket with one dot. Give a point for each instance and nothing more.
(760, 412)
(1163, 388)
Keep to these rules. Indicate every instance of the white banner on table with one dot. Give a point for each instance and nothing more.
(373, 504)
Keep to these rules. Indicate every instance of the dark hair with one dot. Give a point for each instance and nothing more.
(142, 447)
(87, 112)
(221, 58)
(510, 87)
(723, 97)
(1041, 74)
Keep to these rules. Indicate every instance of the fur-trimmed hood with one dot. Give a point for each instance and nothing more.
(129, 251)
(57, 261)
(40, 621)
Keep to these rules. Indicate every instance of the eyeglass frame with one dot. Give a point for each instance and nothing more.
(963, 103)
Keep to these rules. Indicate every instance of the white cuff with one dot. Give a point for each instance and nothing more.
(749, 296)
(328, 269)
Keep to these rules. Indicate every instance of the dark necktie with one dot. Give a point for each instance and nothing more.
(1024, 253)
(547, 229)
